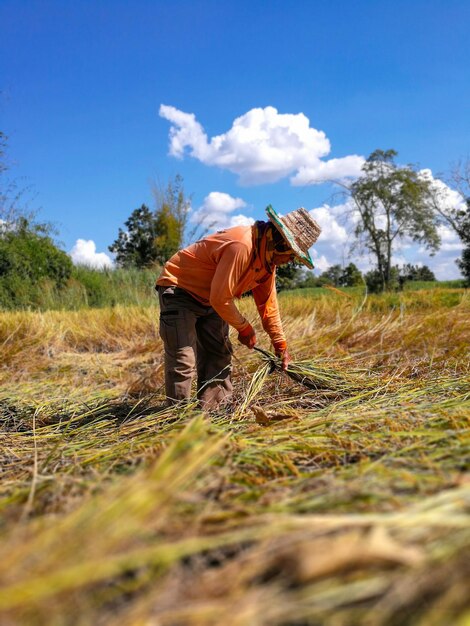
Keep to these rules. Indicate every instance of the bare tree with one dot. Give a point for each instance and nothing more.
(460, 179)
(452, 210)
(13, 194)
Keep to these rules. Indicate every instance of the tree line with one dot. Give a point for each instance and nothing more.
(386, 204)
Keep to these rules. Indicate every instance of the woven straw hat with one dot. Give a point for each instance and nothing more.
(299, 229)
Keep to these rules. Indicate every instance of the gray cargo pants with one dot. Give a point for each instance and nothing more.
(194, 336)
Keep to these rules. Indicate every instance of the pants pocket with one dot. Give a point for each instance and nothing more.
(175, 329)
(169, 328)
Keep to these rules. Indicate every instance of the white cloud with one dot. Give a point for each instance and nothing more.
(331, 231)
(334, 169)
(444, 268)
(241, 220)
(447, 197)
(449, 238)
(452, 247)
(84, 253)
(220, 202)
(262, 146)
(447, 234)
(215, 211)
(400, 259)
(320, 261)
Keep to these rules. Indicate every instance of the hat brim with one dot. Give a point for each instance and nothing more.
(304, 257)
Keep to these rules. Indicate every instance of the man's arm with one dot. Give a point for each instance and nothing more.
(265, 297)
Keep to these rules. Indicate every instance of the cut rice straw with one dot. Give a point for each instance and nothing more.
(317, 377)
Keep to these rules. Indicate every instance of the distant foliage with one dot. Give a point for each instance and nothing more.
(399, 276)
(308, 281)
(292, 276)
(374, 280)
(416, 272)
(331, 276)
(151, 237)
(136, 244)
(288, 276)
(29, 262)
(352, 276)
(339, 276)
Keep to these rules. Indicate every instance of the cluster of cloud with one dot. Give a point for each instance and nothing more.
(84, 253)
(444, 262)
(333, 232)
(446, 195)
(262, 146)
(334, 244)
(215, 212)
(265, 146)
(320, 261)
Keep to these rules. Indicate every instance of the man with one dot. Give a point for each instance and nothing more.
(197, 288)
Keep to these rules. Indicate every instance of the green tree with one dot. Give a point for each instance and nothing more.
(351, 276)
(152, 237)
(416, 272)
(308, 280)
(332, 275)
(374, 280)
(339, 276)
(288, 276)
(392, 202)
(135, 246)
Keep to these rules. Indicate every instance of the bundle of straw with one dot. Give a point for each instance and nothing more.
(314, 376)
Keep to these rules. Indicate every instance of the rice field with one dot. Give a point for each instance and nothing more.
(337, 495)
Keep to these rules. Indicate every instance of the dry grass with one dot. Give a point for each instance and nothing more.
(347, 503)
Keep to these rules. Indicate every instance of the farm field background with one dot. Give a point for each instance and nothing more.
(341, 505)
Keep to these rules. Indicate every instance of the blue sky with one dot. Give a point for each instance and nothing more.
(82, 84)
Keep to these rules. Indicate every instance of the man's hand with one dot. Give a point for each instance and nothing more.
(285, 358)
(248, 337)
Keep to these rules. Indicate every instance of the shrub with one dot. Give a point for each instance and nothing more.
(28, 256)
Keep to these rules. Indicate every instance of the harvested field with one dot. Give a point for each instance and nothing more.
(345, 502)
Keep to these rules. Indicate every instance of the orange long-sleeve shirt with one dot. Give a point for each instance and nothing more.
(221, 267)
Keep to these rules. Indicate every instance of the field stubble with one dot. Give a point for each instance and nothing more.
(344, 503)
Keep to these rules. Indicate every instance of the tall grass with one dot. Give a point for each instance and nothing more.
(93, 288)
(86, 288)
